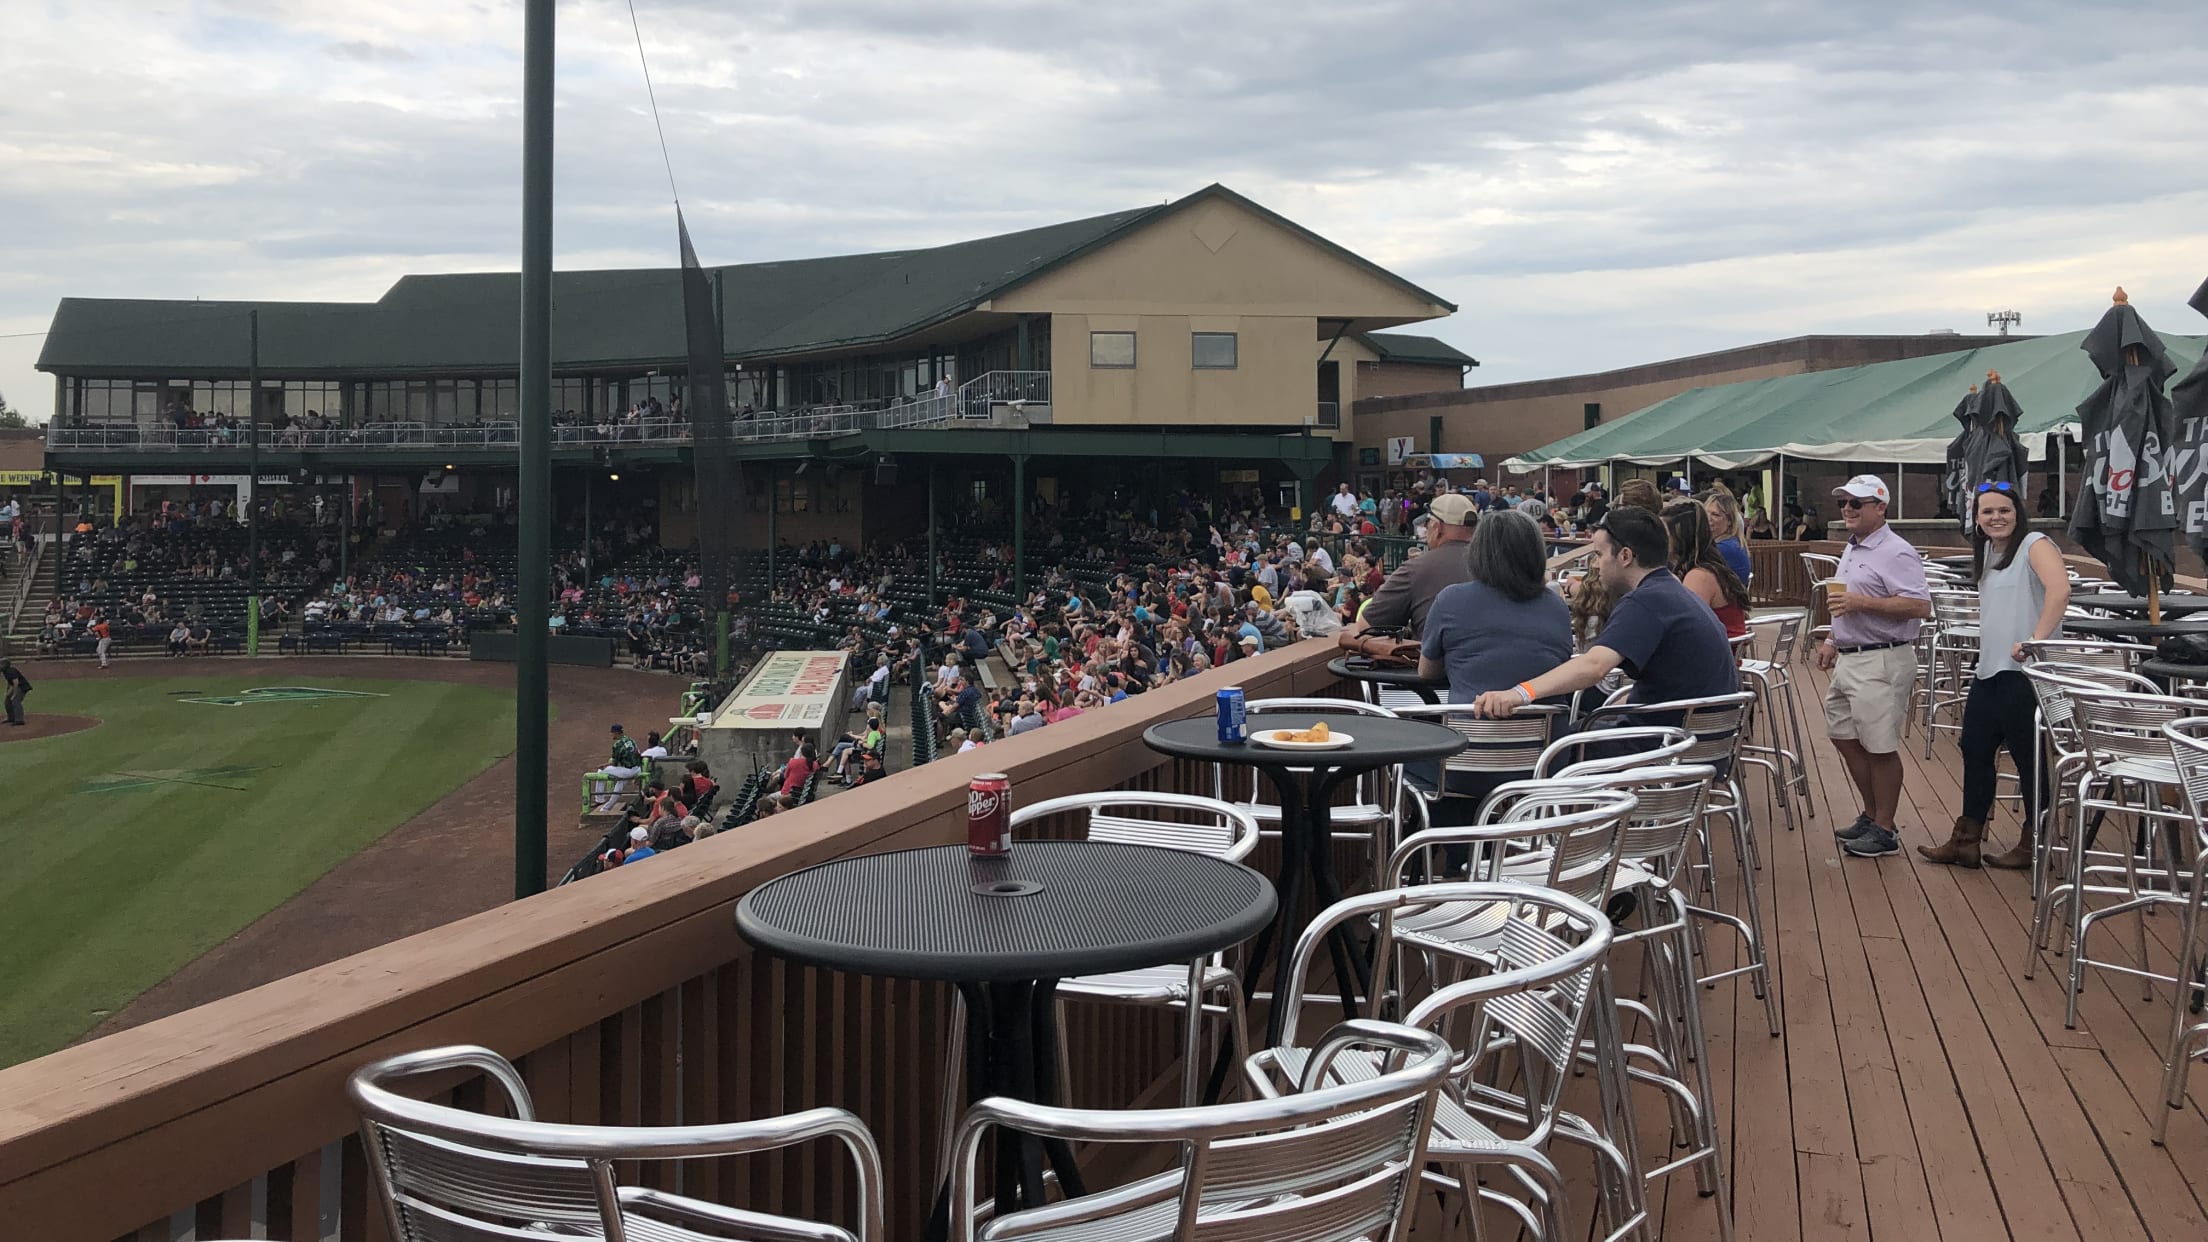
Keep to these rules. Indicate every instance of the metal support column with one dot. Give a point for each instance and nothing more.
(252, 488)
(931, 532)
(532, 715)
(590, 484)
(773, 505)
(1019, 526)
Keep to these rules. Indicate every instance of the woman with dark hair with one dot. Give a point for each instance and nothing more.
(1501, 628)
(1504, 625)
(1695, 561)
(2020, 598)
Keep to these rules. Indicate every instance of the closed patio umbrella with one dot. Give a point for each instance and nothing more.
(1987, 450)
(2127, 509)
(2189, 401)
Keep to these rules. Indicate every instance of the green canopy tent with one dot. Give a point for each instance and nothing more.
(1883, 412)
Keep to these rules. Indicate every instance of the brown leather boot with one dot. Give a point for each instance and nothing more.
(1961, 849)
(2019, 858)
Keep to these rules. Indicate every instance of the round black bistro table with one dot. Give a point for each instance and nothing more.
(1005, 930)
(1361, 668)
(2133, 627)
(2136, 605)
(1305, 781)
(2167, 671)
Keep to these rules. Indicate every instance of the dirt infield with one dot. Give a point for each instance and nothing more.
(37, 725)
(452, 860)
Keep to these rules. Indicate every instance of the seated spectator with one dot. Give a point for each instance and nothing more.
(640, 847)
(794, 775)
(179, 638)
(697, 782)
(1027, 720)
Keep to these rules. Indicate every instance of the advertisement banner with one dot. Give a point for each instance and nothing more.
(789, 690)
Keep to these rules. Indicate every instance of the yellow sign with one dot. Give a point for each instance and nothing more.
(43, 479)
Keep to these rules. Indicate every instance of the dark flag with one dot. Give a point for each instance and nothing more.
(705, 396)
(2189, 402)
(1987, 451)
(2127, 508)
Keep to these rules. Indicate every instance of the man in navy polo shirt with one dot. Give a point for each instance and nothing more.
(1663, 635)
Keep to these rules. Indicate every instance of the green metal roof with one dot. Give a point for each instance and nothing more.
(1406, 347)
(464, 323)
(1886, 411)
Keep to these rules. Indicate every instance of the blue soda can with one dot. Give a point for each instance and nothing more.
(1232, 715)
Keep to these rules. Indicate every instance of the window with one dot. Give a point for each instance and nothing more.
(1111, 349)
(1593, 412)
(1212, 351)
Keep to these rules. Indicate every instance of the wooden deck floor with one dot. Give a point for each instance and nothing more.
(1923, 1088)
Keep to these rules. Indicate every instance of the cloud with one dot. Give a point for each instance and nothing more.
(1596, 184)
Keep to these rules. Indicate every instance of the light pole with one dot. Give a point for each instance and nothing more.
(532, 714)
(252, 486)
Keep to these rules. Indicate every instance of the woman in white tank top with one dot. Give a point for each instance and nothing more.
(2022, 591)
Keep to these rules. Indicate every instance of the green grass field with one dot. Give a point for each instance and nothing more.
(136, 846)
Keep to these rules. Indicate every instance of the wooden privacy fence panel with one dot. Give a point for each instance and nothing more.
(628, 998)
(1779, 576)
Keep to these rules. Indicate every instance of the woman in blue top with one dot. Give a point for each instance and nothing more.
(1501, 628)
(1724, 513)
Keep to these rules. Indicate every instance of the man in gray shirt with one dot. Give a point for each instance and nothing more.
(1400, 605)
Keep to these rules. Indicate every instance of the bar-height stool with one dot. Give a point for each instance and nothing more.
(1718, 724)
(1545, 992)
(2188, 1037)
(1949, 661)
(2128, 764)
(2062, 758)
(1772, 679)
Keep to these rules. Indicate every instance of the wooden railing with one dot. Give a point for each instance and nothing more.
(1780, 577)
(627, 998)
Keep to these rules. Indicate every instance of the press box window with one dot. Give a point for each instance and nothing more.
(1212, 351)
(1111, 349)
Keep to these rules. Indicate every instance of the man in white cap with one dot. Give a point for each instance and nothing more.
(1400, 605)
(1872, 656)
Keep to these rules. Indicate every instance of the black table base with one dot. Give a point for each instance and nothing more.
(1012, 1050)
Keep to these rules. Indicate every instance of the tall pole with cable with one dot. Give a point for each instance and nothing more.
(532, 714)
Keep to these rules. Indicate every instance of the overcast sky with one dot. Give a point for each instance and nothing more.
(1595, 184)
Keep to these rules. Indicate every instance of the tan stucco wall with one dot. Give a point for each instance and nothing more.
(1215, 267)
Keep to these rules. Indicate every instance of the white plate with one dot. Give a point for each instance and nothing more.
(1267, 737)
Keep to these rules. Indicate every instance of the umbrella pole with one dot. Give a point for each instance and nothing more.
(2154, 589)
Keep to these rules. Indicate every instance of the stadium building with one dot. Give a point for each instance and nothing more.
(1207, 344)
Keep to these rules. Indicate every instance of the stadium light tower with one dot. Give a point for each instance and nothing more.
(2004, 319)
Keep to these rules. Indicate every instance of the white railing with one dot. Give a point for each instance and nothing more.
(979, 397)
(27, 574)
(976, 399)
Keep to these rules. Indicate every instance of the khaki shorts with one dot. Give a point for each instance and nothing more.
(1869, 698)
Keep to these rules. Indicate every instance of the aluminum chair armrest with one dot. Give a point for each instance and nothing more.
(672, 1209)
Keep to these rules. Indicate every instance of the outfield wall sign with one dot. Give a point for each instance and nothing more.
(282, 694)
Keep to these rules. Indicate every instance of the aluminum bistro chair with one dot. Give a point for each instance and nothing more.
(2127, 766)
(2061, 759)
(1167, 821)
(2188, 1037)
(1331, 1159)
(1719, 725)
(1544, 992)
(1499, 750)
(1772, 678)
(1371, 816)
(446, 1173)
(1947, 660)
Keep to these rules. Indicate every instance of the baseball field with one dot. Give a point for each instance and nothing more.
(195, 805)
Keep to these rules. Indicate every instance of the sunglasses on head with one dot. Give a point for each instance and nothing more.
(1996, 485)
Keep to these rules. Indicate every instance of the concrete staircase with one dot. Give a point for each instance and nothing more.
(22, 623)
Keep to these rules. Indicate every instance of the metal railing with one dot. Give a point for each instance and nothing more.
(979, 397)
(26, 574)
(974, 400)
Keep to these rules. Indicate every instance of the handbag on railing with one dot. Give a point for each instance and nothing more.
(1382, 650)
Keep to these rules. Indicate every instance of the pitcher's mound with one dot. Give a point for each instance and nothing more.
(43, 725)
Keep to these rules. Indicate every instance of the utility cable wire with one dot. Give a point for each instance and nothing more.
(653, 96)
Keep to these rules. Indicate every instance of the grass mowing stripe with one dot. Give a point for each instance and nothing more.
(109, 892)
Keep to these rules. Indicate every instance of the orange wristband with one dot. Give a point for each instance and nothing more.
(1526, 688)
